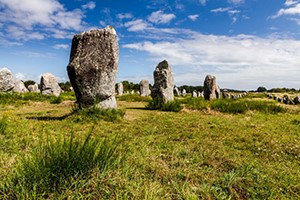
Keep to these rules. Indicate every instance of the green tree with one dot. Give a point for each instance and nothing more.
(261, 89)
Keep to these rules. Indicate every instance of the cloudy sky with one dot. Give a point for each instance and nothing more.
(244, 43)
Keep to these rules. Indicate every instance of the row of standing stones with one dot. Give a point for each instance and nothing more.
(285, 99)
(92, 72)
(48, 83)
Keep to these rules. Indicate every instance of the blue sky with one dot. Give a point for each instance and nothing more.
(244, 43)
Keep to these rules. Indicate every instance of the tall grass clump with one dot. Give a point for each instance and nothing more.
(242, 106)
(18, 99)
(170, 106)
(234, 106)
(133, 98)
(196, 103)
(55, 100)
(94, 114)
(55, 165)
(3, 124)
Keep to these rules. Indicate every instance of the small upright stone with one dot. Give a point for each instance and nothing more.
(211, 89)
(163, 82)
(144, 88)
(33, 88)
(120, 89)
(49, 85)
(7, 82)
(194, 94)
(20, 87)
(176, 92)
(93, 67)
(200, 94)
(183, 93)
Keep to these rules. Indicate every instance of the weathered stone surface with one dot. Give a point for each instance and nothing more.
(183, 93)
(20, 87)
(132, 92)
(144, 88)
(120, 89)
(176, 91)
(33, 88)
(49, 85)
(211, 89)
(7, 82)
(163, 82)
(93, 66)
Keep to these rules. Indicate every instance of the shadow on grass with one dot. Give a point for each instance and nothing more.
(136, 108)
(51, 118)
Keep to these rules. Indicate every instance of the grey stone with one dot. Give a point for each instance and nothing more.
(297, 100)
(132, 92)
(200, 94)
(163, 82)
(183, 93)
(33, 88)
(211, 89)
(176, 92)
(93, 66)
(144, 88)
(49, 85)
(20, 87)
(194, 94)
(7, 82)
(120, 89)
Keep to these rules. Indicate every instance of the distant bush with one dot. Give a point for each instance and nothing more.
(95, 114)
(158, 104)
(133, 98)
(54, 164)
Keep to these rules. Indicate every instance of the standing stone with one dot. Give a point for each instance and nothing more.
(49, 85)
(200, 94)
(194, 94)
(7, 82)
(144, 88)
(163, 82)
(132, 92)
(93, 66)
(176, 92)
(120, 89)
(297, 100)
(211, 89)
(33, 88)
(20, 87)
(183, 93)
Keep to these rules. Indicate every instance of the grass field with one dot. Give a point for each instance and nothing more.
(204, 151)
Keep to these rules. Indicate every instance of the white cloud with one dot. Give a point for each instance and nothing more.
(90, 5)
(136, 25)
(217, 10)
(231, 12)
(193, 17)
(236, 1)
(34, 17)
(290, 2)
(61, 46)
(241, 61)
(124, 16)
(295, 10)
(202, 2)
(159, 17)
